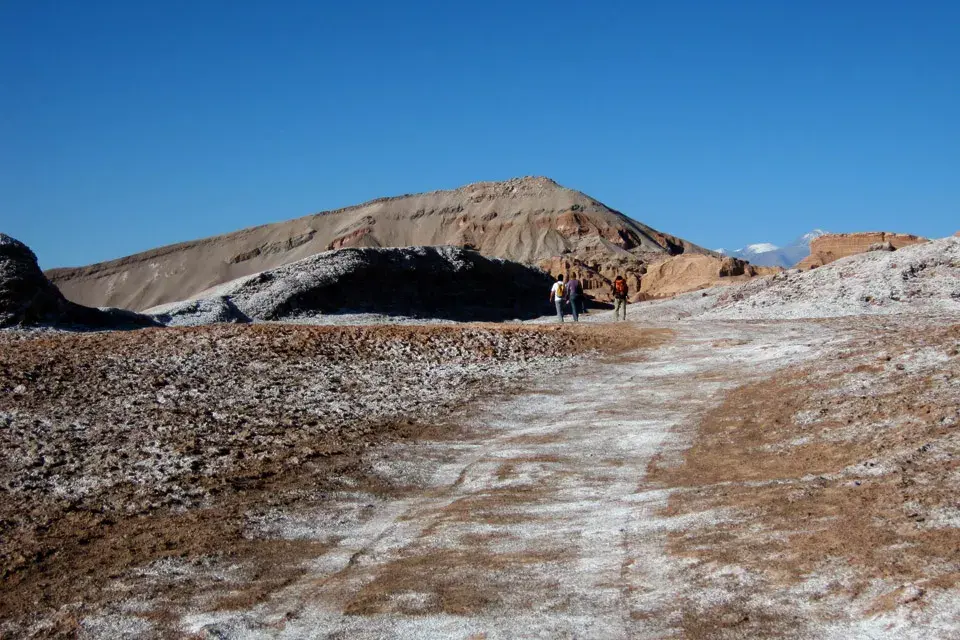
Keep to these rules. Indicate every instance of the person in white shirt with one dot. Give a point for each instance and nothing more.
(556, 296)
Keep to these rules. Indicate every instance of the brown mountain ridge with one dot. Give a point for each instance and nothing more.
(532, 220)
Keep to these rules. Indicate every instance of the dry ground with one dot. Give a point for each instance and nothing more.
(737, 480)
(844, 472)
(126, 448)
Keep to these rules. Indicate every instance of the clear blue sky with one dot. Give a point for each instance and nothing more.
(129, 124)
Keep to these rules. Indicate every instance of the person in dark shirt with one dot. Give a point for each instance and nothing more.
(574, 293)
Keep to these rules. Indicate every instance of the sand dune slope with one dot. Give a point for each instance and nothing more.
(525, 219)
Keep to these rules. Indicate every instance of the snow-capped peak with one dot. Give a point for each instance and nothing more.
(768, 254)
(816, 233)
(761, 247)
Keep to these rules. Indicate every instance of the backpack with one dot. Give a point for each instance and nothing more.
(620, 286)
(559, 289)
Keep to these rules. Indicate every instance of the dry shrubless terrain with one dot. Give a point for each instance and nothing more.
(838, 482)
(784, 480)
(780, 461)
(123, 448)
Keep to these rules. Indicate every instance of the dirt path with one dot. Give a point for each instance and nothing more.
(541, 524)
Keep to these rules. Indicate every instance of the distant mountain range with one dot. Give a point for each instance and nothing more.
(765, 254)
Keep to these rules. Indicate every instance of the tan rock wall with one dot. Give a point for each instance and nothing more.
(661, 278)
(833, 246)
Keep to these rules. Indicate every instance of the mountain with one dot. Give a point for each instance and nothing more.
(765, 254)
(524, 219)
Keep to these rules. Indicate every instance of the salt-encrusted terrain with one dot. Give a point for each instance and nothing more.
(121, 448)
(781, 462)
(424, 282)
(918, 279)
(738, 480)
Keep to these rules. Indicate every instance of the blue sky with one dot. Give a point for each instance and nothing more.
(127, 125)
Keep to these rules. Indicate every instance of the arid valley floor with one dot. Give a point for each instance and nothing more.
(693, 479)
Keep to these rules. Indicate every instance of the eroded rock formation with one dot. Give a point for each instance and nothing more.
(661, 277)
(833, 246)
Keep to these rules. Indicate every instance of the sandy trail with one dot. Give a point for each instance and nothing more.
(541, 524)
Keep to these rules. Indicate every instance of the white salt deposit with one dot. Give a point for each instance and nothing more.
(922, 278)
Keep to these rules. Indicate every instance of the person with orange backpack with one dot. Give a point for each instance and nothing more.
(556, 296)
(620, 292)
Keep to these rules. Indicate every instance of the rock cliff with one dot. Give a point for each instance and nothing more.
(833, 246)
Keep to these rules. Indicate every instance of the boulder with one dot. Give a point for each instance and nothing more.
(734, 267)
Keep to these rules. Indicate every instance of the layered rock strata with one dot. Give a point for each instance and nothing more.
(833, 246)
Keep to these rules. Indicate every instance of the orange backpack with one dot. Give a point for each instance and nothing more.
(620, 286)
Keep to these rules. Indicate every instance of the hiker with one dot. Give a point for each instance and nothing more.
(556, 296)
(620, 292)
(574, 292)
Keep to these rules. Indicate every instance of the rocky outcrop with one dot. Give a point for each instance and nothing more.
(524, 220)
(660, 278)
(596, 276)
(681, 274)
(28, 298)
(921, 279)
(428, 282)
(833, 246)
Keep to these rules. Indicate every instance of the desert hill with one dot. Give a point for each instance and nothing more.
(525, 219)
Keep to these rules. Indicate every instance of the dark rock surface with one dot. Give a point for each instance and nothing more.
(426, 282)
(27, 297)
